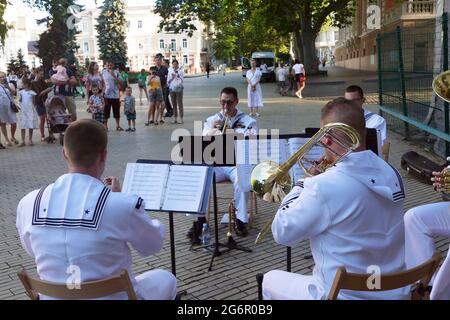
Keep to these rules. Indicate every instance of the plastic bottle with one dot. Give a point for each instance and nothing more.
(205, 237)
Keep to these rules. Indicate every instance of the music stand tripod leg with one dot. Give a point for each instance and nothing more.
(216, 252)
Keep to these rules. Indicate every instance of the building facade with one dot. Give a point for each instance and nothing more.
(357, 47)
(326, 43)
(144, 41)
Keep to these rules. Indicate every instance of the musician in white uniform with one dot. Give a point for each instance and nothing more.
(352, 214)
(238, 122)
(77, 229)
(422, 225)
(373, 120)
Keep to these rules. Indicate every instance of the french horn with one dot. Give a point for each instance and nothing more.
(441, 85)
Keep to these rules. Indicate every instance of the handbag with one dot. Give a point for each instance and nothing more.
(14, 107)
(177, 85)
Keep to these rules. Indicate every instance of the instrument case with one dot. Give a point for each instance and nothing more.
(419, 166)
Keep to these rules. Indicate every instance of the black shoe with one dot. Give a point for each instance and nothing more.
(168, 115)
(195, 231)
(241, 228)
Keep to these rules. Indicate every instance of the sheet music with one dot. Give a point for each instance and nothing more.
(185, 188)
(251, 152)
(294, 144)
(147, 181)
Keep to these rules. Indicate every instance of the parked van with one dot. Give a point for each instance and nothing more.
(261, 57)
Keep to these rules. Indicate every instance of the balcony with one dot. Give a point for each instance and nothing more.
(414, 10)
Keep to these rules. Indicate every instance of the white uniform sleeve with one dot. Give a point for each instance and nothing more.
(302, 215)
(252, 128)
(207, 126)
(382, 128)
(146, 235)
(23, 220)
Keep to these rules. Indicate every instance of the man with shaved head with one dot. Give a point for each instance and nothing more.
(352, 214)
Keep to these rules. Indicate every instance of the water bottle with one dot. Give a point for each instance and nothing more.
(205, 237)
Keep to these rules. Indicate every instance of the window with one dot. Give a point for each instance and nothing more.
(86, 47)
(185, 60)
(173, 44)
(174, 58)
(185, 43)
(140, 24)
(161, 44)
(141, 46)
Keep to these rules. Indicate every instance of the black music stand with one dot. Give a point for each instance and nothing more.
(190, 146)
(204, 207)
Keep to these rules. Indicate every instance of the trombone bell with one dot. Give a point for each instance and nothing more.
(441, 85)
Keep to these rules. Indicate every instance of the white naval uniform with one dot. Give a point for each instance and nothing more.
(77, 228)
(376, 121)
(241, 123)
(353, 216)
(422, 224)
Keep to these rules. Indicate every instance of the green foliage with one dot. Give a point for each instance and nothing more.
(111, 31)
(4, 26)
(20, 60)
(58, 41)
(11, 65)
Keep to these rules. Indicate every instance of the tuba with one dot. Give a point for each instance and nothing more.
(272, 182)
(441, 86)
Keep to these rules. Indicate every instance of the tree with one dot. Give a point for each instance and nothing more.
(278, 20)
(20, 61)
(4, 26)
(111, 29)
(58, 41)
(12, 65)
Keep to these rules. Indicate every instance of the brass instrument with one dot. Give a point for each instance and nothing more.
(224, 125)
(445, 181)
(272, 182)
(441, 85)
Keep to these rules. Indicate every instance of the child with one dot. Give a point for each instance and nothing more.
(61, 74)
(28, 119)
(130, 109)
(97, 105)
(155, 95)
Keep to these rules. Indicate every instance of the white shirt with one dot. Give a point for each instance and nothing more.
(173, 79)
(376, 121)
(241, 123)
(353, 216)
(281, 72)
(299, 68)
(93, 254)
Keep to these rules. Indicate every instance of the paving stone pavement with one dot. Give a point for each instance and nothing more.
(233, 276)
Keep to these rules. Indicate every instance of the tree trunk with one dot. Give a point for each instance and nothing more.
(310, 60)
(297, 45)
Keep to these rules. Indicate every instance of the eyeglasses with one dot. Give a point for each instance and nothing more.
(226, 102)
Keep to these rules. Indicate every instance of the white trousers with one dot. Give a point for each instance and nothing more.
(156, 285)
(240, 198)
(282, 285)
(422, 224)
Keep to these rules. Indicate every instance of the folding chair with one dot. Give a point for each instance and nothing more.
(358, 282)
(87, 290)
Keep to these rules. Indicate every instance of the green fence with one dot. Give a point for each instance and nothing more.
(408, 61)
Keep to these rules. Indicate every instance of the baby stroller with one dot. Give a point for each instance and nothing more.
(57, 117)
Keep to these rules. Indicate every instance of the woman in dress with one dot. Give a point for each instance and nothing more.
(254, 92)
(7, 116)
(94, 78)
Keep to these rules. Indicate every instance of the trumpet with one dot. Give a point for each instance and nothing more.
(272, 182)
(224, 124)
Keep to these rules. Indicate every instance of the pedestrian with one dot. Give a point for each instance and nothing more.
(97, 105)
(162, 68)
(94, 78)
(224, 68)
(175, 81)
(7, 115)
(124, 77)
(42, 89)
(130, 109)
(112, 81)
(254, 92)
(208, 69)
(298, 71)
(142, 84)
(155, 95)
(281, 73)
(65, 87)
(28, 115)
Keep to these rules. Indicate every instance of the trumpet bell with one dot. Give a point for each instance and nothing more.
(262, 172)
(441, 85)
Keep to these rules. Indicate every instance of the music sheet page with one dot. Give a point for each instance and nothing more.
(148, 181)
(294, 144)
(251, 152)
(185, 188)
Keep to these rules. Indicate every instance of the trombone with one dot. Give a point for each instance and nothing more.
(272, 182)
